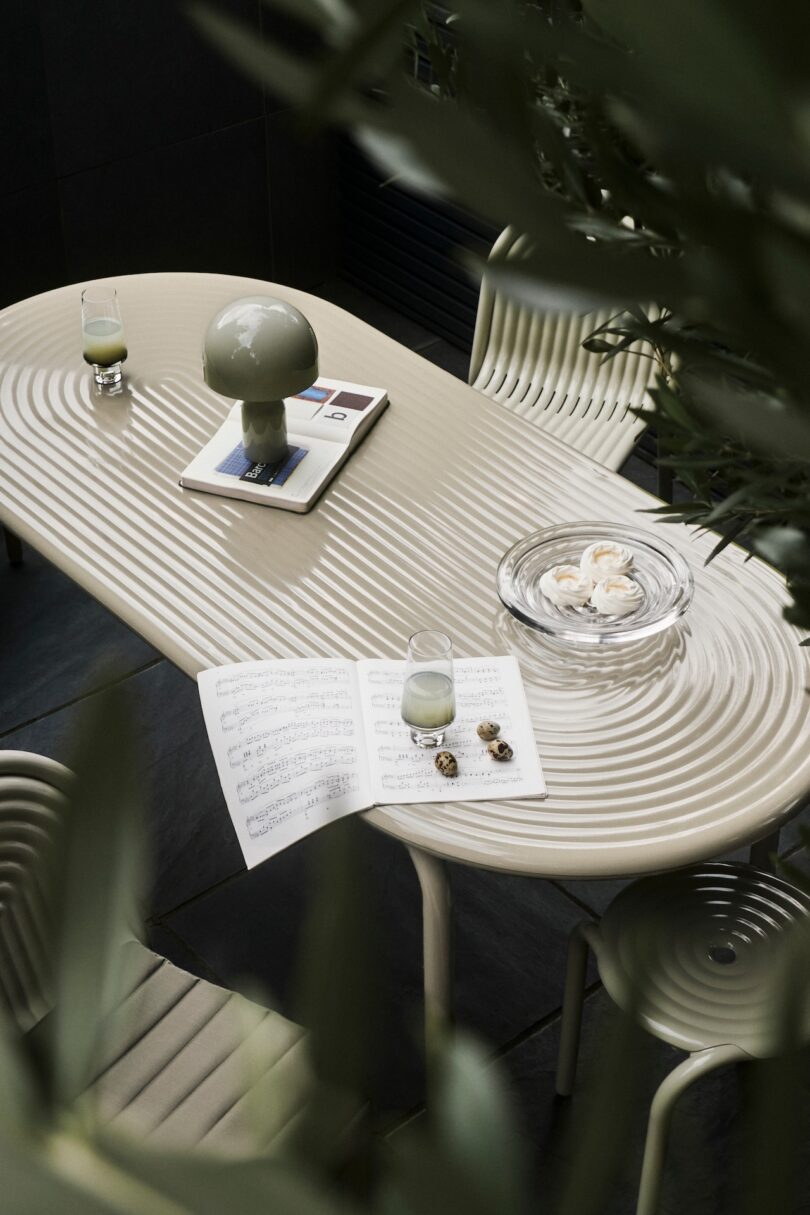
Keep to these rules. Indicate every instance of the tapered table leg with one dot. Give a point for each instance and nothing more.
(436, 939)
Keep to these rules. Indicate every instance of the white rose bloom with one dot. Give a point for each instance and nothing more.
(566, 586)
(605, 560)
(617, 596)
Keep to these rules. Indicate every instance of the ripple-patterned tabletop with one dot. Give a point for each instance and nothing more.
(663, 752)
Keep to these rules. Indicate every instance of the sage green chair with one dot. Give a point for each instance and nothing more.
(693, 956)
(184, 1063)
(533, 362)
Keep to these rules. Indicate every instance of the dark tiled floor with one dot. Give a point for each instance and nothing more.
(58, 647)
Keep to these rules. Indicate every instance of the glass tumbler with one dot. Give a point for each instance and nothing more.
(428, 695)
(103, 342)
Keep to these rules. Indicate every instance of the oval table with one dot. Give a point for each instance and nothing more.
(665, 752)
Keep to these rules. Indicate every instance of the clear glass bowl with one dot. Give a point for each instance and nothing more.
(658, 568)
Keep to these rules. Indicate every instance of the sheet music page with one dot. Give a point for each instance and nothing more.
(486, 688)
(288, 744)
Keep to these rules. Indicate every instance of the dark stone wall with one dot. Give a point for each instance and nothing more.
(404, 248)
(127, 144)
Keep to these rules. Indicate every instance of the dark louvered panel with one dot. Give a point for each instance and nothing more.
(404, 248)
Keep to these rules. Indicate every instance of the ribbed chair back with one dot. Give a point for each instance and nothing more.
(33, 797)
(533, 362)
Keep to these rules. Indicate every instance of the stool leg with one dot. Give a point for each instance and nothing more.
(670, 1089)
(584, 934)
(13, 547)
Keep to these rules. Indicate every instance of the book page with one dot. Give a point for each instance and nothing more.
(287, 742)
(486, 688)
(334, 410)
(223, 468)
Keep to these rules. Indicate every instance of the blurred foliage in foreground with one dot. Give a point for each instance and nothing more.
(650, 153)
(466, 1156)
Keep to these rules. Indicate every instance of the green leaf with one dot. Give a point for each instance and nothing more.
(756, 418)
(336, 997)
(369, 50)
(19, 1096)
(601, 1130)
(205, 1185)
(731, 533)
(97, 883)
(474, 1125)
(787, 548)
(32, 1187)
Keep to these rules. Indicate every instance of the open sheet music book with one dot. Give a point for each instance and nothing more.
(324, 425)
(299, 743)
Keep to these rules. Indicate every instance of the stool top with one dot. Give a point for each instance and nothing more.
(695, 956)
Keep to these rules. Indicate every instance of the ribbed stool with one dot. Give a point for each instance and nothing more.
(691, 956)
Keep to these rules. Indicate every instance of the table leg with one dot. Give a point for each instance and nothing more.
(761, 850)
(436, 939)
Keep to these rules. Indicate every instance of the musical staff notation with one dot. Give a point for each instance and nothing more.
(293, 805)
(272, 740)
(283, 769)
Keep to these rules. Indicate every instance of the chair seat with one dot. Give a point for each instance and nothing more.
(187, 1064)
(183, 1063)
(692, 955)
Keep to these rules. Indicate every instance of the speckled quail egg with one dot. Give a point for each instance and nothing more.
(499, 749)
(445, 761)
(488, 730)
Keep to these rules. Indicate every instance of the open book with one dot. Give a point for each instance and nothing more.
(299, 743)
(324, 424)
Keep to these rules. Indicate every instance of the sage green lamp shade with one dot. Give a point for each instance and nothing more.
(260, 348)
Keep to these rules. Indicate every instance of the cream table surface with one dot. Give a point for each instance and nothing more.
(674, 749)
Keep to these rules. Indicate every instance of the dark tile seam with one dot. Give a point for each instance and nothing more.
(790, 852)
(573, 898)
(538, 1026)
(153, 662)
(164, 147)
(208, 971)
(428, 344)
(399, 1121)
(201, 894)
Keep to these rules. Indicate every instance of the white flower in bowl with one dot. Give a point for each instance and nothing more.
(566, 586)
(605, 559)
(617, 596)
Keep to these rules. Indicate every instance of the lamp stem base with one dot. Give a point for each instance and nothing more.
(264, 431)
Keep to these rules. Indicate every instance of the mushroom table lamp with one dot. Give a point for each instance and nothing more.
(259, 350)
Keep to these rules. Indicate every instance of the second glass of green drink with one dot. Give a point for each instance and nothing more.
(428, 694)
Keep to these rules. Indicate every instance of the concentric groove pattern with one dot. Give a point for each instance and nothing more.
(702, 957)
(667, 751)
